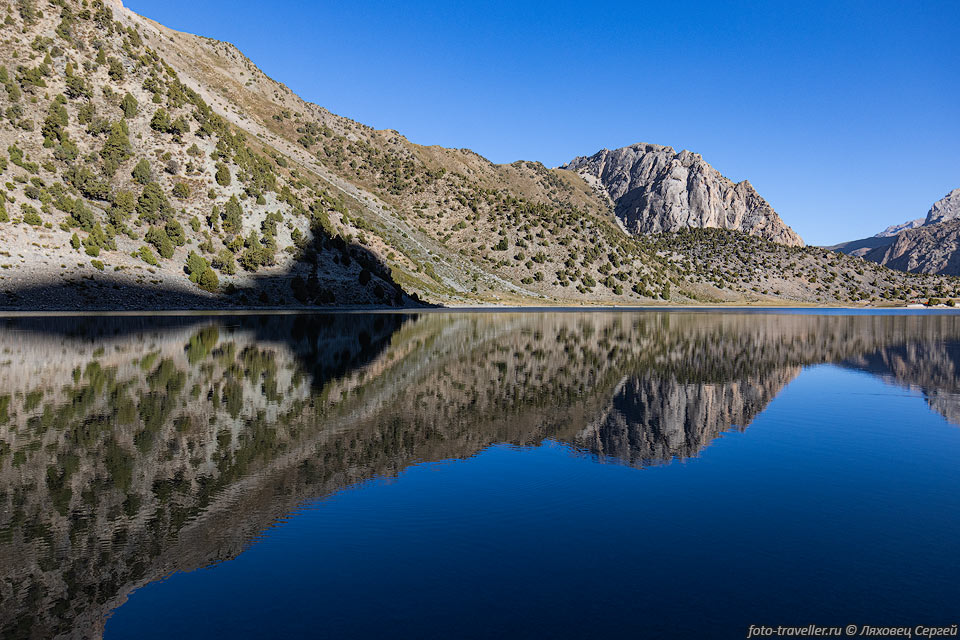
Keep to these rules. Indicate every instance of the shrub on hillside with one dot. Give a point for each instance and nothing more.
(30, 215)
(152, 205)
(146, 255)
(223, 175)
(232, 216)
(161, 241)
(129, 106)
(181, 190)
(225, 263)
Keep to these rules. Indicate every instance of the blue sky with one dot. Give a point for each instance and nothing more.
(844, 115)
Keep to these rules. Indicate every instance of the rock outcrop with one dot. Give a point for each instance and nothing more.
(655, 189)
(945, 209)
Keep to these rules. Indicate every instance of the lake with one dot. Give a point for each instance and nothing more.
(475, 475)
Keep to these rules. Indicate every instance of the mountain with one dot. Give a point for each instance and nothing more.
(147, 168)
(894, 229)
(925, 245)
(931, 248)
(654, 189)
(885, 238)
(944, 209)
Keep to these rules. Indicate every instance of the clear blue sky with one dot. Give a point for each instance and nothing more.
(844, 115)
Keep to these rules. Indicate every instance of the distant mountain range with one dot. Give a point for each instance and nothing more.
(147, 168)
(924, 245)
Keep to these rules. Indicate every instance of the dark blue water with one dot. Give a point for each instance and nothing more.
(839, 505)
(788, 478)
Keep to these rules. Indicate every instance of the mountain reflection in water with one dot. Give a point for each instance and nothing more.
(131, 448)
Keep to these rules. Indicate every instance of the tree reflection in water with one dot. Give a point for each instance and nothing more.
(134, 447)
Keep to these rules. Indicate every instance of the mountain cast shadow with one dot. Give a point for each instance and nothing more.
(134, 447)
(328, 272)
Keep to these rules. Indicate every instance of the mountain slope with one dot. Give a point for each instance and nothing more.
(925, 245)
(655, 189)
(150, 168)
(927, 249)
(885, 238)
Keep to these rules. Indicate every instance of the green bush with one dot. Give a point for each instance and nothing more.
(181, 190)
(116, 149)
(160, 121)
(30, 215)
(179, 127)
(200, 273)
(255, 255)
(195, 266)
(152, 205)
(232, 216)
(97, 240)
(223, 175)
(115, 69)
(224, 262)
(142, 173)
(146, 255)
(129, 106)
(66, 151)
(176, 233)
(161, 241)
(57, 119)
(209, 281)
(77, 88)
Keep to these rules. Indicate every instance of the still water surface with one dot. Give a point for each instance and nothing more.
(477, 474)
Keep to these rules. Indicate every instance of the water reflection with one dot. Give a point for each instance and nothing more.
(134, 447)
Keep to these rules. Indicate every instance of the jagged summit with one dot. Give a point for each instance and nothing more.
(946, 208)
(655, 189)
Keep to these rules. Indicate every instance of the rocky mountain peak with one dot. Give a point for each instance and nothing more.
(946, 208)
(655, 189)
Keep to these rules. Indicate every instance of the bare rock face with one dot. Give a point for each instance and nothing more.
(928, 249)
(947, 208)
(655, 189)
